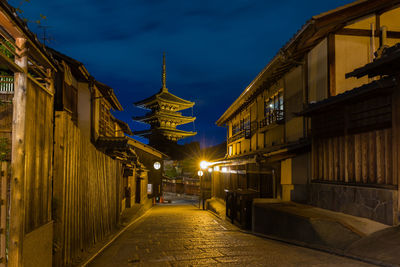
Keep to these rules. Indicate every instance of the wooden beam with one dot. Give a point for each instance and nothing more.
(367, 33)
(17, 202)
(331, 65)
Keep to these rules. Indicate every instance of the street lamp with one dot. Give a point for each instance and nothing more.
(204, 164)
(157, 165)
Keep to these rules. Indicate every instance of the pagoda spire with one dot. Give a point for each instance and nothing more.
(164, 76)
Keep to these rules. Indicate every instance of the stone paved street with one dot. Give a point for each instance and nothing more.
(183, 235)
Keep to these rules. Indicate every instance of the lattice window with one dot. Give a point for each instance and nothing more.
(106, 125)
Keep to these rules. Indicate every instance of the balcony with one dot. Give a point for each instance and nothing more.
(272, 118)
(237, 136)
(7, 84)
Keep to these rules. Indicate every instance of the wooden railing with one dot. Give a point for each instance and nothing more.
(6, 84)
(271, 117)
(237, 136)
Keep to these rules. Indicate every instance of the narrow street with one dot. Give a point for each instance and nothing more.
(183, 235)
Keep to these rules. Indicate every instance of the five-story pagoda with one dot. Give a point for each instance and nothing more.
(163, 116)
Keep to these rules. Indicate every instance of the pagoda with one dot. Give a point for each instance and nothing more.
(164, 116)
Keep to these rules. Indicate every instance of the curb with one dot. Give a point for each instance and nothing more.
(315, 247)
(323, 249)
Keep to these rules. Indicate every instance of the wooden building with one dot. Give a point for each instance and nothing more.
(27, 87)
(164, 116)
(71, 163)
(152, 161)
(355, 136)
(269, 138)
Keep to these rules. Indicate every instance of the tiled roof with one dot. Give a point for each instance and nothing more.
(164, 96)
(387, 64)
(382, 84)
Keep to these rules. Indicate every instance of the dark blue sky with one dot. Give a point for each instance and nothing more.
(214, 48)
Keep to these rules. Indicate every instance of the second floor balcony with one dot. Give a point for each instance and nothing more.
(273, 117)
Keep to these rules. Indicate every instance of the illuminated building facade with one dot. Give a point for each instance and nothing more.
(288, 138)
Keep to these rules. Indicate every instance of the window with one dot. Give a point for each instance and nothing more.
(106, 125)
(273, 109)
(235, 128)
(230, 150)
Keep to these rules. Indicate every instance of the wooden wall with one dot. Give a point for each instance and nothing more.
(85, 198)
(38, 156)
(364, 158)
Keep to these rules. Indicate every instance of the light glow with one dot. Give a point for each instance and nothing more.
(224, 169)
(216, 168)
(210, 170)
(157, 165)
(204, 164)
(200, 173)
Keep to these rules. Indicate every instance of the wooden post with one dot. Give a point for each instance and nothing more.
(17, 202)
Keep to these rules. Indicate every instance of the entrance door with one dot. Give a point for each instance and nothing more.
(266, 186)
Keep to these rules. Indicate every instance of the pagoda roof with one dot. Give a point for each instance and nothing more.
(174, 116)
(164, 96)
(163, 131)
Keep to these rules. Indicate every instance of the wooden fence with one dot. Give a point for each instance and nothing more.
(364, 158)
(4, 198)
(86, 202)
(38, 156)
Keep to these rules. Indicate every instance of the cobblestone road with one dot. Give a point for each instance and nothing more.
(183, 235)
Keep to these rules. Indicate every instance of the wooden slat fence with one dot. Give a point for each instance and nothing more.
(4, 216)
(85, 200)
(38, 156)
(362, 158)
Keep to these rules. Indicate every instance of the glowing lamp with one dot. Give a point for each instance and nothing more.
(210, 170)
(204, 164)
(200, 173)
(216, 168)
(157, 165)
(224, 169)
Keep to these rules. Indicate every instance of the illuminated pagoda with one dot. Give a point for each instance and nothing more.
(163, 116)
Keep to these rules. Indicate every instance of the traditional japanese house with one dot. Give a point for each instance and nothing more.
(163, 116)
(355, 138)
(94, 165)
(268, 138)
(27, 73)
(152, 161)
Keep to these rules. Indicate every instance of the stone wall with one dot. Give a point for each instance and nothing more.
(377, 204)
